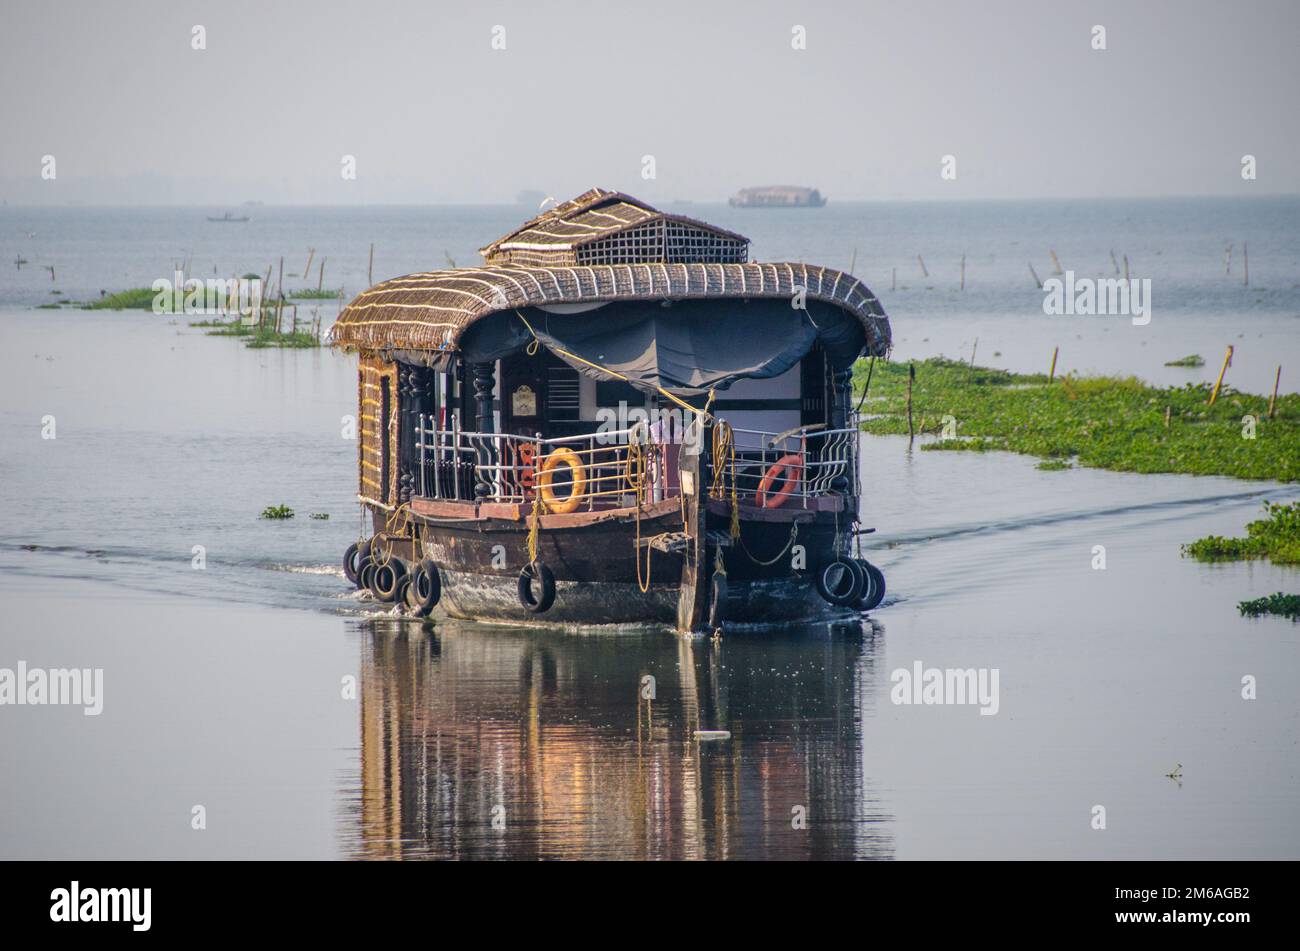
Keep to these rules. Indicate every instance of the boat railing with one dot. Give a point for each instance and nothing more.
(610, 469)
(589, 472)
(813, 463)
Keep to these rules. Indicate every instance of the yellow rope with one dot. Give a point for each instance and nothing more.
(534, 530)
(382, 555)
(724, 454)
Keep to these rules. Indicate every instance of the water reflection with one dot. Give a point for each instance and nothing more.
(482, 742)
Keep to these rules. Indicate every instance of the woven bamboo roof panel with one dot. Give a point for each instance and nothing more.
(608, 227)
(431, 311)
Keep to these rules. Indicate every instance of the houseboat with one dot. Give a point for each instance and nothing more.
(617, 419)
(777, 196)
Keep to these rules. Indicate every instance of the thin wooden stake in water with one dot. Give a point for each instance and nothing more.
(1113, 262)
(911, 376)
(1035, 273)
(1227, 260)
(306, 272)
(1126, 267)
(1055, 261)
(320, 281)
(1227, 361)
(1051, 374)
(973, 348)
(370, 270)
(1245, 265)
(266, 288)
(921, 261)
(1272, 400)
(963, 272)
(893, 278)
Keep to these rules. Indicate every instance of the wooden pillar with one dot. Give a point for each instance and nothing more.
(484, 380)
(693, 595)
(415, 397)
(407, 421)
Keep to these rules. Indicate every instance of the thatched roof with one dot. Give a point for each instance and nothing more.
(430, 311)
(608, 227)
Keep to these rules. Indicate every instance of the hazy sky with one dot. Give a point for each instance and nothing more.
(583, 90)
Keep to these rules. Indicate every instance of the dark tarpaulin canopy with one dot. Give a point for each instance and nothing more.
(687, 348)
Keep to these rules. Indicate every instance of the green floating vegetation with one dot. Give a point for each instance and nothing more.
(1275, 537)
(1103, 422)
(259, 338)
(277, 511)
(137, 298)
(1283, 605)
(311, 293)
(320, 516)
(1191, 360)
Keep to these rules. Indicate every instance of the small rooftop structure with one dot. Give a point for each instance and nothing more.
(608, 227)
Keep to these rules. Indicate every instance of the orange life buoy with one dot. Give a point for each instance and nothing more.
(792, 466)
(563, 457)
(527, 453)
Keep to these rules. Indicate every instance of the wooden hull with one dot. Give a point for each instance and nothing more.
(596, 571)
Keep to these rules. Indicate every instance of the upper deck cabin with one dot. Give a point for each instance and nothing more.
(598, 314)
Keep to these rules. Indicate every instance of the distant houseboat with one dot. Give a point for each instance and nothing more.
(618, 419)
(228, 217)
(777, 196)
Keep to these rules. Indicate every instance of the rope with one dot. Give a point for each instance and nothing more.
(635, 473)
(794, 533)
(867, 386)
(381, 554)
(534, 530)
(724, 448)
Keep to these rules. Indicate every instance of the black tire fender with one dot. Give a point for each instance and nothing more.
(385, 578)
(873, 591)
(541, 601)
(426, 588)
(840, 582)
(355, 559)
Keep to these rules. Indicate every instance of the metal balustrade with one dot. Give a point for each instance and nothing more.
(454, 463)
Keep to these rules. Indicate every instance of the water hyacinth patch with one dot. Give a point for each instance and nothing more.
(1282, 605)
(1116, 423)
(1276, 538)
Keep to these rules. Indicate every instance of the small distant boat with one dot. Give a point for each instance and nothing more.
(777, 196)
(230, 218)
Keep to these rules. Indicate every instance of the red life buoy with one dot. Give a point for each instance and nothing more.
(791, 466)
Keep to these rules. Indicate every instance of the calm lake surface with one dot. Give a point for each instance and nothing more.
(227, 687)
